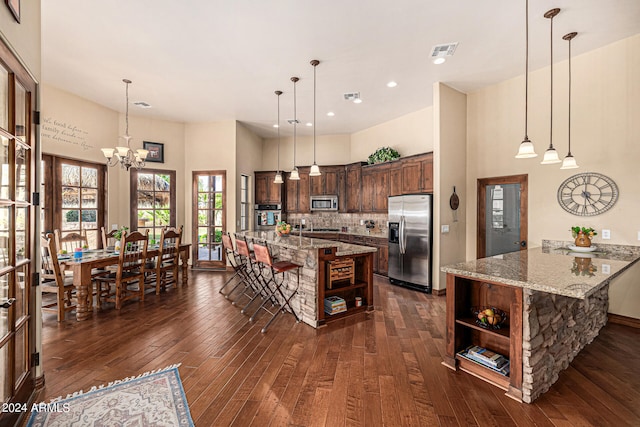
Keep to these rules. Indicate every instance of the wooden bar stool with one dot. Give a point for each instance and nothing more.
(280, 302)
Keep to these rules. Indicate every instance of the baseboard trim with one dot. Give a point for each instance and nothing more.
(624, 320)
(439, 292)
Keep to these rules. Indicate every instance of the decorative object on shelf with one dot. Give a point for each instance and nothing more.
(283, 229)
(295, 176)
(315, 170)
(383, 154)
(587, 194)
(278, 178)
(489, 317)
(125, 156)
(582, 266)
(569, 161)
(14, 7)
(551, 155)
(156, 151)
(526, 149)
(583, 235)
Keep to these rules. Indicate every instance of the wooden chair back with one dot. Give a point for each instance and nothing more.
(133, 256)
(168, 258)
(53, 280)
(70, 241)
(108, 237)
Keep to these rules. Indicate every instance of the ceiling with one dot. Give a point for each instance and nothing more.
(213, 60)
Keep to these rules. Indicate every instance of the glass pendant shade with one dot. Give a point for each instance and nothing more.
(295, 176)
(315, 170)
(526, 150)
(569, 162)
(278, 179)
(550, 157)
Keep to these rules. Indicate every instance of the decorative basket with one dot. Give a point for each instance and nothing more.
(489, 317)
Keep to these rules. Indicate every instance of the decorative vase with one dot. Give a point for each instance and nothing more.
(117, 246)
(583, 240)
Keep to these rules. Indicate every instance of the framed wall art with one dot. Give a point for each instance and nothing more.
(14, 7)
(156, 151)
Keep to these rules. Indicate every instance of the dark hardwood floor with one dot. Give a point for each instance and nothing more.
(375, 369)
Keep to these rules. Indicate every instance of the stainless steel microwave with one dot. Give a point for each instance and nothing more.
(324, 203)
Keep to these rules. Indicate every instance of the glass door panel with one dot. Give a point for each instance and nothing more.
(209, 220)
(502, 219)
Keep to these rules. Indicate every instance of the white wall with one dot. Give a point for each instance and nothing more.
(449, 170)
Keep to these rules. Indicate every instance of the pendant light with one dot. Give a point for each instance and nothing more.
(295, 176)
(526, 149)
(551, 155)
(569, 161)
(278, 178)
(315, 170)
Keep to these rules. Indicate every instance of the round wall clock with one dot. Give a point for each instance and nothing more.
(587, 194)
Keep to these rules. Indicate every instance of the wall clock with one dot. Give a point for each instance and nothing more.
(587, 194)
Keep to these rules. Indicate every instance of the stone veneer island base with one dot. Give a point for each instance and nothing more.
(315, 255)
(553, 311)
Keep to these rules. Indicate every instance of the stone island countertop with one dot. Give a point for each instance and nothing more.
(553, 268)
(296, 242)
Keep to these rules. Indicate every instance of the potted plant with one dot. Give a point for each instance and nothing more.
(583, 235)
(383, 154)
(118, 236)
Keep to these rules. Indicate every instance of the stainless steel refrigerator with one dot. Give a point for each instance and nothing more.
(410, 224)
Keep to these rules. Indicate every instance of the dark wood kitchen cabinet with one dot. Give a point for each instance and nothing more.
(267, 193)
(353, 186)
(332, 182)
(395, 179)
(375, 188)
(298, 192)
(417, 174)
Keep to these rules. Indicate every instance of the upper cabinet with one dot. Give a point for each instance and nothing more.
(375, 188)
(353, 187)
(417, 174)
(267, 193)
(298, 192)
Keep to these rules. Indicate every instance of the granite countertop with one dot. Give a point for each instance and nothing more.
(304, 243)
(377, 234)
(556, 270)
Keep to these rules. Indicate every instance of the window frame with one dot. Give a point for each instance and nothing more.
(246, 204)
(133, 201)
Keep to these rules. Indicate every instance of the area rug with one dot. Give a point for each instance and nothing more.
(151, 399)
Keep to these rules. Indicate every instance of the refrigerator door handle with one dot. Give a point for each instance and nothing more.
(402, 237)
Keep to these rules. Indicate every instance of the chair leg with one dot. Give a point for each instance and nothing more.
(61, 305)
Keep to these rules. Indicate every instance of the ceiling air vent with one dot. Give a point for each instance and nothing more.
(142, 104)
(292, 121)
(352, 96)
(443, 50)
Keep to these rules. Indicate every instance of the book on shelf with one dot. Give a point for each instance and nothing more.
(334, 305)
(503, 370)
(488, 357)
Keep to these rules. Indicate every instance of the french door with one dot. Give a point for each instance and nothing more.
(502, 215)
(18, 93)
(209, 219)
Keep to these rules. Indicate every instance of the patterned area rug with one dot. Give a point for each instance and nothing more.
(151, 399)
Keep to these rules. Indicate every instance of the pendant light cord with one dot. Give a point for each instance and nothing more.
(126, 116)
(569, 136)
(295, 123)
(551, 84)
(314, 114)
(526, 75)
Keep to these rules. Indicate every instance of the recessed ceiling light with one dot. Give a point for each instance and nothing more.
(357, 101)
(309, 124)
(392, 84)
(331, 114)
(439, 61)
(276, 126)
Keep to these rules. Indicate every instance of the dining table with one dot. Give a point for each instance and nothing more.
(82, 267)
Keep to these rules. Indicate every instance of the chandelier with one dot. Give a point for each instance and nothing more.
(125, 156)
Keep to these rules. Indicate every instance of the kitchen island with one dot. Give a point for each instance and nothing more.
(329, 268)
(555, 302)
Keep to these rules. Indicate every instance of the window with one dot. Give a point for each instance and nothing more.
(209, 217)
(153, 200)
(244, 202)
(74, 197)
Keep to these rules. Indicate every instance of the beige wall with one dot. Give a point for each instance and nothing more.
(24, 37)
(330, 150)
(248, 159)
(450, 161)
(409, 134)
(605, 108)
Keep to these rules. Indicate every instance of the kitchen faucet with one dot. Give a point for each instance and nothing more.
(302, 222)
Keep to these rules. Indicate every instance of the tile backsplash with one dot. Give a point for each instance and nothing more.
(333, 220)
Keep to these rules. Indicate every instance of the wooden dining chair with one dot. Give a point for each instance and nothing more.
(127, 282)
(53, 281)
(70, 241)
(168, 259)
(108, 237)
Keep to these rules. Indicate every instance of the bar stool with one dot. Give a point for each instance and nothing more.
(248, 262)
(236, 263)
(272, 285)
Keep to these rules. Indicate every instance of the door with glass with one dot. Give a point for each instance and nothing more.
(502, 215)
(17, 231)
(209, 207)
